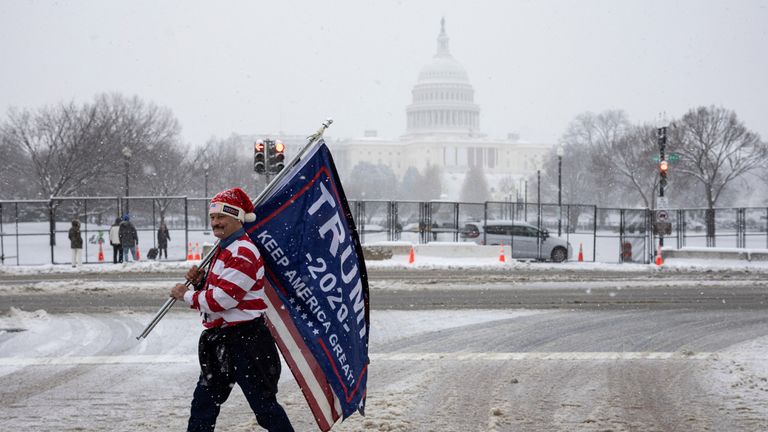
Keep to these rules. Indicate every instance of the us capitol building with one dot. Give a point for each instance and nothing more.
(443, 129)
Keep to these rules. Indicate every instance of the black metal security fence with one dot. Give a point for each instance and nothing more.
(36, 231)
(597, 234)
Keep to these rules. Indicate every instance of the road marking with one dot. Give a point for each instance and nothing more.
(97, 360)
(507, 356)
(415, 356)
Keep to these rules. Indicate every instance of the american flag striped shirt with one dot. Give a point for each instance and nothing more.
(234, 288)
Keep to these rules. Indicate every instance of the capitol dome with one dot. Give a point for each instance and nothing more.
(443, 98)
(443, 70)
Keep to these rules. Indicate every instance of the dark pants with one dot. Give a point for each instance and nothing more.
(161, 251)
(244, 354)
(117, 253)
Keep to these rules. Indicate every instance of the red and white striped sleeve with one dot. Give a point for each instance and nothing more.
(237, 271)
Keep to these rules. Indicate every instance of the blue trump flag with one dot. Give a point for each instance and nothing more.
(317, 285)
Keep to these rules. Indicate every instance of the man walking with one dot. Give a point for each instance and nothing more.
(163, 237)
(236, 346)
(76, 243)
(128, 238)
(114, 240)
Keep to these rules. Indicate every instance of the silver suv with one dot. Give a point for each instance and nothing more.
(525, 239)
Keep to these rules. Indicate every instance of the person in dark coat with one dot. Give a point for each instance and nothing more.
(163, 237)
(76, 243)
(114, 240)
(129, 238)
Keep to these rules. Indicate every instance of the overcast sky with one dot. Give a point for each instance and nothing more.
(229, 67)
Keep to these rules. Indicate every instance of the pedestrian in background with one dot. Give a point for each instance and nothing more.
(76, 243)
(128, 238)
(163, 237)
(114, 240)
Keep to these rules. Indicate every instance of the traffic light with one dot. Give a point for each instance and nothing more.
(259, 161)
(276, 155)
(663, 167)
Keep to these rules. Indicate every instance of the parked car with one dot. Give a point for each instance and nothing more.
(524, 239)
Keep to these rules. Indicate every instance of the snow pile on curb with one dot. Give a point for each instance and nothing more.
(18, 320)
(423, 262)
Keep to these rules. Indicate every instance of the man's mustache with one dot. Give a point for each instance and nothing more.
(217, 227)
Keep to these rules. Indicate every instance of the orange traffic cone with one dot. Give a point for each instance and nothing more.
(581, 253)
(189, 252)
(502, 258)
(659, 258)
(197, 251)
(138, 253)
(411, 258)
(101, 253)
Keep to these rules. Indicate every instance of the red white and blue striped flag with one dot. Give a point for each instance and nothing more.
(317, 285)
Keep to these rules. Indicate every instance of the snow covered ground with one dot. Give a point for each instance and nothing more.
(87, 372)
(104, 380)
(79, 372)
(425, 262)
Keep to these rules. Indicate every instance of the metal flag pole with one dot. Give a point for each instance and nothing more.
(171, 301)
(312, 139)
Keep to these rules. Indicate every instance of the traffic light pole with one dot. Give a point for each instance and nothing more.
(662, 139)
(267, 168)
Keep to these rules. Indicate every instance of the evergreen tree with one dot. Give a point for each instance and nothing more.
(369, 181)
(433, 183)
(410, 185)
(475, 187)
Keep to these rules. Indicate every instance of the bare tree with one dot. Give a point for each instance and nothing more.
(66, 145)
(76, 150)
(716, 148)
(630, 156)
(147, 132)
(588, 174)
(14, 182)
(230, 164)
(168, 174)
(507, 186)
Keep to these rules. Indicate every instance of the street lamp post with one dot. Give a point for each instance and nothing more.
(560, 152)
(205, 168)
(525, 200)
(127, 153)
(539, 218)
(538, 197)
(205, 175)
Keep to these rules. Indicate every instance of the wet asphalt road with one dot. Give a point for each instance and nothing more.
(445, 289)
